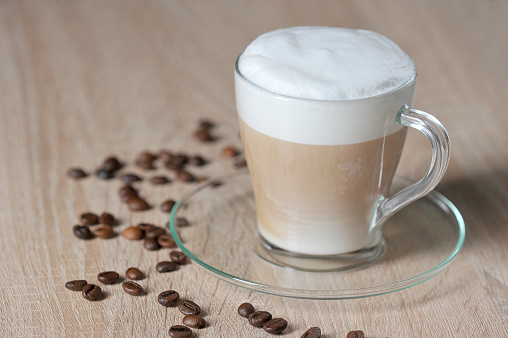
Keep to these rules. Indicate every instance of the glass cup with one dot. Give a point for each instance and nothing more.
(321, 207)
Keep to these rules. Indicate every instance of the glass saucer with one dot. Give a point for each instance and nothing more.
(221, 236)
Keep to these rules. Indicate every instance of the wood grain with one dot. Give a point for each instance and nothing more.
(80, 80)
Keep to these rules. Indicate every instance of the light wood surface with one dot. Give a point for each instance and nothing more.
(80, 80)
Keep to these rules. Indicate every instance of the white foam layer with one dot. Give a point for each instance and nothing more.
(328, 75)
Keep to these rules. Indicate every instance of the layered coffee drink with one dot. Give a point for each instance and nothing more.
(317, 108)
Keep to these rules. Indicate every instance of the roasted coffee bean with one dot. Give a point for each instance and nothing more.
(137, 204)
(241, 164)
(197, 161)
(145, 165)
(245, 310)
(111, 164)
(188, 307)
(178, 159)
(229, 152)
(165, 155)
(76, 285)
(108, 277)
(355, 334)
(178, 257)
(203, 135)
(91, 292)
(134, 274)
(146, 156)
(82, 232)
(145, 226)
(173, 166)
(107, 219)
(166, 266)
(181, 222)
(154, 232)
(275, 325)
(132, 288)
(103, 231)
(180, 331)
(168, 298)
(258, 318)
(127, 190)
(128, 197)
(104, 174)
(167, 205)
(159, 180)
(185, 176)
(76, 173)
(166, 241)
(130, 178)
(133, 233)
(194, 321)
(206, 124)
(151, 244)
(313, 332)
(88, 218)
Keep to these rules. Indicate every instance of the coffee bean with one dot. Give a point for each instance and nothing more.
(104, 174)
(197, 161)
(128, 197)
(206, 124)
(91, 292)
(166, 266)
(179, 159)
(130, 178)
(82, 232)
(159, 180)
(177, 257)
(203, 135)
(151, 244)
(180, 331)
(127, 190)
(146, 156)
(76, 173)
(166, 241)
(165, 155)
(355, 334)
(103, 231)
(167, 205)
(108, 277)
(154, 232)
(145, 165)
(134, 274)
(313, 332)
(229, 151)
(107, 219)
(194, 321)
(133, 233)
(258, 318)
(145, 226)
(168, 298)
(137, 204)
(241, 164)
(173, 166)
(245, 310)
(185, 176)
(132, 288)
(76, 285)
(188, 307)
(181, 222)
(111, 164)
(88, 218)
(275, 325)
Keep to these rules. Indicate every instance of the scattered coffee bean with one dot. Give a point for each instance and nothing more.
(76, 173)
(167, 205)
(133, 233)
(245, 310)
(107, 219)
(145, 226)
(137, 204)
(166, 266)
(134, 274)
(203, 135)
(132, 288)
(194, 321)
(241, 164)
(145, 165)
(154, 232)
(179, 159)
(111, 164)
(88, 218)
(355, 334)
(103, 231)
(104, 174)
(76, 285)
(313, 332)
(127, 190)
(159, 180)
(166, 241)
(180, 331)
(128, 197)
(130, 178)
(258, 318)
(197, 161)
(165, 155)
(188, 307)
(185, 176)
(177, 257)
(108, 277)
(229, 151)
(146, 156)
(151, 244)
(206, 124)
(168, 298)
(173, 166)
(82, 232)
(275, 325)
(181, 222)
(91, 292)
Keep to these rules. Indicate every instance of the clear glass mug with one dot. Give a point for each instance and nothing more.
(322, 206)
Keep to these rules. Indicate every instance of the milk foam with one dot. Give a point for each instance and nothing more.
(352, 82)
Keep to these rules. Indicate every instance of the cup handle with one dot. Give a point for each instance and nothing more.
(440, 144)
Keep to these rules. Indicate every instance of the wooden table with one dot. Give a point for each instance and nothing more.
(81, 80)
